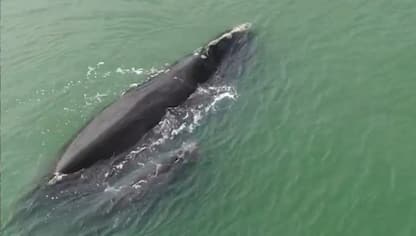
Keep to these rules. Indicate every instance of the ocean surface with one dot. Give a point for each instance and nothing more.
(320, 141)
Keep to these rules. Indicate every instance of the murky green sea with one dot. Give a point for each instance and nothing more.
(322, 138)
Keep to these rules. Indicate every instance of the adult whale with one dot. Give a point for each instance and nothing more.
(117, 190)
(122, 124)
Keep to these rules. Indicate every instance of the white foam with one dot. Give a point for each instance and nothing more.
(106, 74)
(90, 70)
(152, 72)
(138, 71)
(112, 189)
(120, 70)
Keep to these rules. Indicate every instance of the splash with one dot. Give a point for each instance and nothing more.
(185, 118)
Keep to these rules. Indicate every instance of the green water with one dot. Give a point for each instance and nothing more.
(320, 142)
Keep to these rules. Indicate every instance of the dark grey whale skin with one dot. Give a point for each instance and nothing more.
(122, 124)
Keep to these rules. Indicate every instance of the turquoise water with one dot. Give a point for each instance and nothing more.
(319, 142)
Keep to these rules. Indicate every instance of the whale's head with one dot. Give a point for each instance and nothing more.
(216, 52)
(225, 43)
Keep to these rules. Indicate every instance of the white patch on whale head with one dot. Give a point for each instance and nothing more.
(56, 178)
(228, 35)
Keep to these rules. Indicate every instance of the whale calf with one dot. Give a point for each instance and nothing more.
(122, 124)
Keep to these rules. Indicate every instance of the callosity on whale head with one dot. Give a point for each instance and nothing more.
(228, 42)
(225, 42)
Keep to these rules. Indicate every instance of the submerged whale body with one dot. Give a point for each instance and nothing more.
(122, 124)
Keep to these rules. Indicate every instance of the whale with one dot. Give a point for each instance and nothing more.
(141, 148)
(123, 123)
